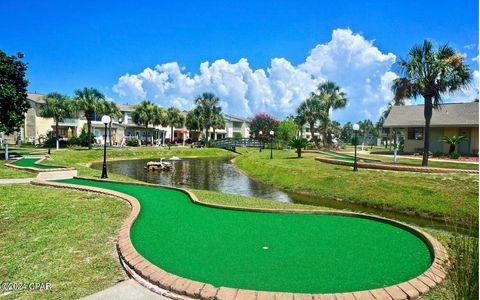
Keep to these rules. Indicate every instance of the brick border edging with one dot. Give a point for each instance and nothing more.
(410, 289)
(380, 166)
(38, 162)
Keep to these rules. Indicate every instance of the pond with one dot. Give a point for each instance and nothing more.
(219, 174)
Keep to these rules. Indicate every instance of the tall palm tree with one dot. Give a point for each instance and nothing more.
(311, 111)
(58, 107)
(208, 105)
(89, 100)
(193, 121)
(431, 74)
(111, 109)
(331, 97)
(144, 114)
(174, 118)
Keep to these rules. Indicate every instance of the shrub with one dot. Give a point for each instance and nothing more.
(437, 154)
(237, 135)
(133, 143)
(454, 155)
(299, 144)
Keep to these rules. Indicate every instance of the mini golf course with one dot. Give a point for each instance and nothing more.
(32, 162)
(281, 252)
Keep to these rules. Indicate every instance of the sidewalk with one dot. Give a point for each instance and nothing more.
(126, 290)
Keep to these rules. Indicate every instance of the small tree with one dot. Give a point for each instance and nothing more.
(144, 114)
(174, 118)
(111, 109)
(453, 141)
(13, 92)
(89, 101)
(287, 129)
(265, 123)
(299, 144)
(58, 107)
(208, 106)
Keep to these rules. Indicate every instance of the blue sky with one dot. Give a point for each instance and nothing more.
(263, 55)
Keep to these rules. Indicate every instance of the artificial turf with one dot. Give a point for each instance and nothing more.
(304, 253)
(32, 162)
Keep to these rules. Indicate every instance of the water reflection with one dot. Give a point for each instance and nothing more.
(218, 174)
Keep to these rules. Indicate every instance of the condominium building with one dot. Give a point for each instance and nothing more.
(35, 127)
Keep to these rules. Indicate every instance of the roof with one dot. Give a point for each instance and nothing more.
(449, 115)
(235, 118)
(125, 107)
(37, 98)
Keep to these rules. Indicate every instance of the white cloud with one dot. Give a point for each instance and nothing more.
(354, 63)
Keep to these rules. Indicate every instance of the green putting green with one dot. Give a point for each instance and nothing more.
(304, 253)
(32, 162)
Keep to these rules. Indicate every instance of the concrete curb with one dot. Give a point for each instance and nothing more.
(380, 166)
(411, 289)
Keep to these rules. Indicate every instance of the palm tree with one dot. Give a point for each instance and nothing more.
(299, 144)
(431, 74)
(453, 141)
(300, 121)
(193, 122)
(144, 114)
(311, 111)
(331, 97)
(58, 107)
(111, 109)
(89, 100)
(208, 105)
(174, 118)
(218, 121)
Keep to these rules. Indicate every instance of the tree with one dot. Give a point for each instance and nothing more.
(265, 123)
(193, 121)
(346, 134)
(331, 97)
(110, 109)
(311, 111)
(287, 129)
(58, 107)
(453, 141)
(299, 144)
(300, 121)
(89, 100)
(431, 74)
(174, 118)
(218, 121)
(334, 129)
(368, 131)
(144, 114)
(208, 106)
(13, 92)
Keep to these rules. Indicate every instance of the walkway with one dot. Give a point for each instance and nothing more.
(126, 290)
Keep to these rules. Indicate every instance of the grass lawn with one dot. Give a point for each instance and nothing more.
(62, 237)
(439, 195)
(8, 173)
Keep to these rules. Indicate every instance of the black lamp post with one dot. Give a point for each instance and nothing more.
(105, 120)
(49, 137)
(271, 144)
(260, 139)
(356, 127)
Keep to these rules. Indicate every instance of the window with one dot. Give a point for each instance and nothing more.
(415, 133)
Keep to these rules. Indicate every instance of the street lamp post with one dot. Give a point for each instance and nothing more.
(105, 120)
(49, 135)
(260, 139)
(356, 127)
(271, 143)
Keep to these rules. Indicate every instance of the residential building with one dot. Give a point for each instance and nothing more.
(123, 128)
(451, 119)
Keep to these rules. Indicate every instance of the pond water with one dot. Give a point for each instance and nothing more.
(219, 174)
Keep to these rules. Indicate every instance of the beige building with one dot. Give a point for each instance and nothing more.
(452, 119)
(35, 127)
